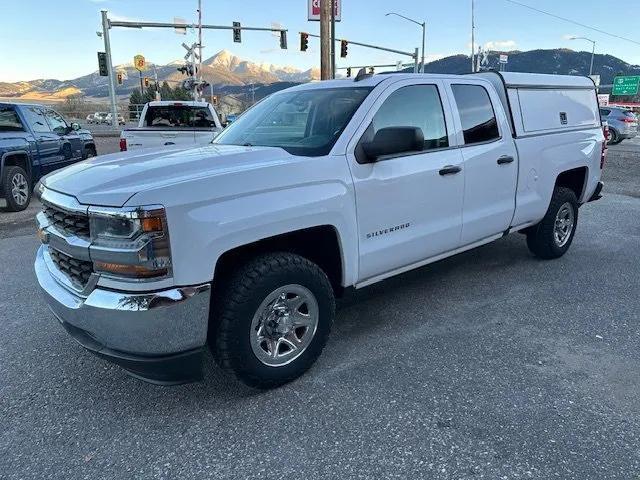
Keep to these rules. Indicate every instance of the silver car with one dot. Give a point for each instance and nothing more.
(622, 123)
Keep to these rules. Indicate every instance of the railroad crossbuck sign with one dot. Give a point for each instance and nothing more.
(314, 10)
(139, 63)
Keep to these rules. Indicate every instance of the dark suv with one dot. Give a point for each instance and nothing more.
(36, 140)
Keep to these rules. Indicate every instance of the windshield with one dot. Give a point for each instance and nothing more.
(304, 122)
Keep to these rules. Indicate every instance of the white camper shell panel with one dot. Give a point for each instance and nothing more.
(542, 104)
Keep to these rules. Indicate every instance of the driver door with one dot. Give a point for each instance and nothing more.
(409, 205)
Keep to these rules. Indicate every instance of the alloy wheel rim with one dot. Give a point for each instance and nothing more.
(19, 189)
(284, 325)
(565, 220)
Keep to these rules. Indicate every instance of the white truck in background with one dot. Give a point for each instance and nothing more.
(243, 245)
(170, 123)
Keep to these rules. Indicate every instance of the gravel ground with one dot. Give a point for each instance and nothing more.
(491, 364)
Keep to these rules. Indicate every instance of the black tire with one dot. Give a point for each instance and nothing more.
(542, 239)
(614, 137)
(16, 175)
(88, 152)
(230, 332)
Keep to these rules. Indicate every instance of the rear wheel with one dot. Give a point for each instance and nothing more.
(552, 237)
(17, 188)
(272, 319)
(614, 137)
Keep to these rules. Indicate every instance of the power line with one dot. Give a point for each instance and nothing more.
(589, 27)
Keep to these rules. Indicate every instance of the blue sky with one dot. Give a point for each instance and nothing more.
(56, 39)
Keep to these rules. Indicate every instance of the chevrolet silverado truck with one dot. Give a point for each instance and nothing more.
(240, 247)
(35, 140)
(168, 123)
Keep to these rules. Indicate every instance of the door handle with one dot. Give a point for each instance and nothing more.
(503, 160)
(449, 170)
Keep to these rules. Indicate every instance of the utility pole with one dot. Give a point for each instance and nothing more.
(112, 85)
(325, 39)
(333, 39)
(473, 43)
(200, 38)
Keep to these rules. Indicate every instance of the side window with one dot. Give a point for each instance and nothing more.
(56, 122)
(35, 119)
(415, 106)
(478, 119)
(9, 121)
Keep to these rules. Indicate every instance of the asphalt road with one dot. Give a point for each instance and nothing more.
(491, 364)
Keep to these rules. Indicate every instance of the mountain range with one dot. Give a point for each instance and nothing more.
(228, 73)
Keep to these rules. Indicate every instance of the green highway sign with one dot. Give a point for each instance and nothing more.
(625, 85)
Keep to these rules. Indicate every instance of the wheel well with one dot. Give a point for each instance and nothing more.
(573, 179)
(17, 160)
(318, 244)
(90, 146)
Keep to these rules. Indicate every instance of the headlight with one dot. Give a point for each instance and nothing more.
(130, 242)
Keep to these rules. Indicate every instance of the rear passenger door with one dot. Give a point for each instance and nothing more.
(409, 204)
(490, 160)
(48, 142)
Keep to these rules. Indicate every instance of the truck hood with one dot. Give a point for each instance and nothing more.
(110, 180)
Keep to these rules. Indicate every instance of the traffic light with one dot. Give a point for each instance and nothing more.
(146, 81)
(371, 71)
(343, 48)
(102, 64)
(237, 32)
(283, 39)
(119, 77)
(348, 72)
(304, 41)
(214, 100)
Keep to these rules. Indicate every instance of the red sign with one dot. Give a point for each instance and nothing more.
(314, 10)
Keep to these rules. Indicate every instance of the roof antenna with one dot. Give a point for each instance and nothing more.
(362, 74)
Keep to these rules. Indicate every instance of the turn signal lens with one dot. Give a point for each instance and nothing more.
(135, 271)
(152, 224)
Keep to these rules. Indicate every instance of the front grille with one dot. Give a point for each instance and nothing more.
(77, 271)
(67, 222)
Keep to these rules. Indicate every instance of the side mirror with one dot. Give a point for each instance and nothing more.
(75, 126)
(392, 140)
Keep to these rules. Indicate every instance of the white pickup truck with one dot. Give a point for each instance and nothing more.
(244, 244)
(167, 123)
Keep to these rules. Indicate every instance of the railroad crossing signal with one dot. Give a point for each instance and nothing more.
(371, 70)
(343, 48)
(304, 41)
(348, 71)
(283, 39)
(237, 32)
(102, 64)
(120, 78)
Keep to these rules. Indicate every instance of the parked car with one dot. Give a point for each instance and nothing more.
(99, 117)
(91, 118)
(244, 244)
(623, 123)
(231, 118)
(168, 123)
(108, 117)
(35, 140)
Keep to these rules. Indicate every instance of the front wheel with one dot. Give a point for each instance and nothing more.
(272, 319)
(17, 188)
(552, 237)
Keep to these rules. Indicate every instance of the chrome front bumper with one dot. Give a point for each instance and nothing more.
(134, 330)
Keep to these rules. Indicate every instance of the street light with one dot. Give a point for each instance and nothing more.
(423, 25)
(593, 51)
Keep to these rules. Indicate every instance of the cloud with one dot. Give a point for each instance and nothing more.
(501, 45)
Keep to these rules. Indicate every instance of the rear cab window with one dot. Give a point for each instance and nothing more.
(477, 116)
(9, 120)
(179, 116)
